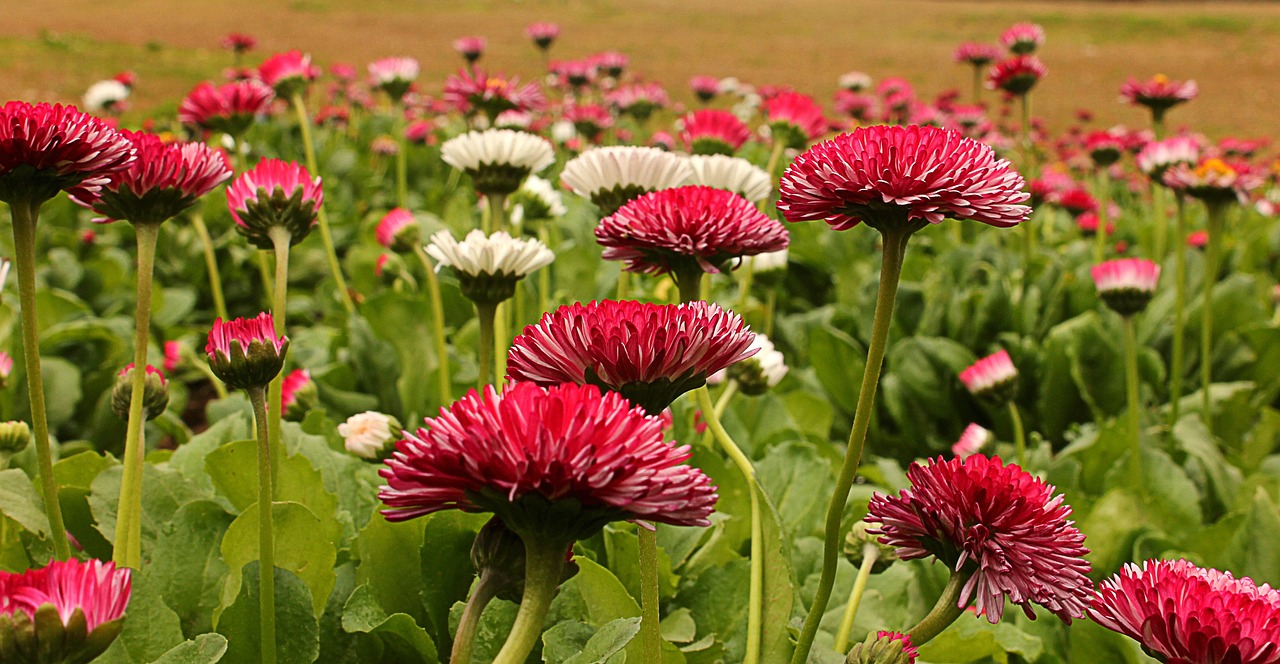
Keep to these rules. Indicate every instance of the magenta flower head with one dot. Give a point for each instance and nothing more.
(993, 378)
(239, 43)
(639, 100)
(1158, 94)
(1126, 284)
(884, 647)
(974, 438)
(471, 92)
(470, 48)
(69, 611)
(893, 177)
(1016, 75)
(245, 353)
(393, 75)
(543, 35)
(274, 194)
(705, 88)
(650, 353)
(164, 180)
(298, 394)
(1022, 38)
(1213, 180)
(999, 525)
(1104, 147)
(229, 108)
(686, 231)
(795, 119)
(155, 394)
(713, 131)
(45, 148)
(398, 231)
(288, 73)
(556, 462)
(976, 54)
(6, 368)
(1076, 201)
(1157, 157)
(1183, 614)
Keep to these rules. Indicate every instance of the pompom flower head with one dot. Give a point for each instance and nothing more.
(245, 353)
(370, 435)
(999, 525)
(713, 131)
(612, 176)
(274, 195)
(498, 160)
(470, 48)
(543, 35)
(488, 266)
(229, 108)
(1157, 157)
(1183, 614)
(288, 73)
(640, 100)
(1016, 75)
(45, 148)
(164, 180)
(298, 394)
(795, 119)
(1022, 38)
(993, 377)
(69, 611)
(896, 177)
(705, 88)
(650, 353)
(558, 462)
(1126, 284)
(976, 54)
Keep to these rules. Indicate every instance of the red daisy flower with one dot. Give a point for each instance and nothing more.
(651, 353)
(1158, 94)
(67, 611)
(398, 230)
(1076, 201)
(48, 147)
(1016, 75)
(564, 460)
(274, 193)
(713, 131)
(245, 352)
(705, 87)
(542, 34)
(896, 175)
(468, 92)
(229, 108)
(1022, 38)
(164, 180)
(795, 118)
(239, 42)
(288, 72)
(1184, 614)
(976, 54)
(998, 523)
(686, 230)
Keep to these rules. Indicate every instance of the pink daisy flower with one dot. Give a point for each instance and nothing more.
(993, 376)
(239, 42)
(172, 355)
(392, 225)
(245, 352)
(1077, 201)
(974, 438)
(1104, 147)
(45, 148)
(640, 100)
(976, 54)
(1157, 157)
(1022, 38)
(95, 589)
(998, 524)
(1159, 94)
(795, 118)
(288, 72)
(713, 131)
(543, 35)
(705, 87)
(1126, 284)
(274, 193)
(1213, 180)
(393, 76)
(229, 108)
(1016, 75)
(470, 48)
(469, 92)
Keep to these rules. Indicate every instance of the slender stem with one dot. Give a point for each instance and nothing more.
(402, 170)
(443, 375)
(544, 275)
(266, 537)
(775, 156)
(744, 292)
(264, 272)
(689, 283)
(1019, 433)
(1179, 315)
(650, 636)
(977, 84)
(1025, 129)
(281, 238)
(1131, 388)
(304, 125)
(895, 246)
(211, 264)
(869, 556)
(1217, 213)
(25, 215)
(501, 342)
(128, 545)
(1160, 208)
(755, 605)
(465, 638)
(1157, 123)
(544, 564)
(486, 314)
(722, 403)
(624, 280)
(770, 310)
(1104, 203)
(943, 613)
(496, 220)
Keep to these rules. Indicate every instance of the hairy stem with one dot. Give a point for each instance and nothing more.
(443, 375)
(280, 240)
(943, 613)
(465, 638)
(544, 565)
(1131, 390)
(211, 264)
(266, 536)
(869, 556)
(650, 636)
(309, 148)
(1176, 368)
(1019, 434)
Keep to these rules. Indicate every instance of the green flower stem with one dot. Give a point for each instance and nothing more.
(264, 271)
(650, 635)
(895, 247)
(402, 169)
(624, 280)
(1019, 433)
(1217, 217)
(869, 556)
(496, 219)
(755, 602)
(1104, 202)
(544, 275)
(1179, 313)
(281, 239)
(722, 404)
(689, 283)
(465, 638)
(266, 537)
(211, 264)
(486, 313)
(775, 156)
(25, 215)
(443, 375)
(501, 342)
(1131, 391)
(977, 83)
(128, 544)
(943, 613)
(744, 291)
(544, 565)
(1160, 208)
(770, 310)
(1157, 122)
(309, 148)
(1029, 154)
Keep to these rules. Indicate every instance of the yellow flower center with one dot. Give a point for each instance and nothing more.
(1214, 166)
(1160, 79)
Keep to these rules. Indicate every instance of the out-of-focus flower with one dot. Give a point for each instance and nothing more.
(497, 160)
(230, 108)
(972, 441)
(640, 100)
(854, 81)
(68, 611)
(1126, 284)
(794, 119)
(589, 120)
(993, 377)
(705, 87)
(543, 35)
(288, 73)
(15, 436)
(470, 48)
(1016, 75)
(1022, 38)
(713, 131)
(393, 76)
(1158, 94)
(298, 394)
(1213, 180)
(370, 435)
(1197, 239)
(731, 174)
(976, 54)
(477, 91)
(398, 231)
(1104, 147)
(239, 42)
(105, 96)
(1157, 157)
(537, 199)
(172, 355)
(760, 372)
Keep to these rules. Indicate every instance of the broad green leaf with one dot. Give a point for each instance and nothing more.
(187, 563)
(973, 639)
(404, 640)
(204, 649)
(150, 630)
(20, 501)
(446, 567)
(798, 479)
(389, 565)
(779, 586)
(296, 636)
(300, 548)
(607, 642)
(164, 491)
(234, 470)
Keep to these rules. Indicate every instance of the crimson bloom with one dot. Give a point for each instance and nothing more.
(470, 48)
(1016, 75)
(1022, 38)
(288, 72)
(650, 353)
(705, 87)
(274, 194)
(900, 176)
(1183, 614)
(1213, 180)
(229, 108)
(67, 611)
(48, 147)
(1158, 94)
(239, 42)
(1076, 201)
(164, 180)
(976, 54)
(565, 459)
(713, 131)
(795, 118)
(993, 376)
(996, 523)
(397, 230)
(542, 34)
(687, 231)
(245, 353)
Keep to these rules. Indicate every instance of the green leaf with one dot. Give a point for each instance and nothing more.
(204, 649)
(779, 587)
(388, 555)
(495, 626)
(608, 641)
(405, 641)
(297, 640)
(606, 598)
(446, 567)
(150, 630)
(566, 640)
(836, 360)
(718, 600)
(798, 478)
(234, 471)
(164, 491)
(300, 548)
(189, 459)
(20, 501)
(971, 639)
(187, 563)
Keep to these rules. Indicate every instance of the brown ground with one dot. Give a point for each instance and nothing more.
(52, 49)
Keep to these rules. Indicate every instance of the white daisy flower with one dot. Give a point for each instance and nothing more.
(368, 434)
(612, 176)
(758, 373)
(731, 174)
(389, 71)
(479, 255)
(498, 160)
(104, 95)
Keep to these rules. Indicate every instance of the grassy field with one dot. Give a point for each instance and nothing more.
(53, 50)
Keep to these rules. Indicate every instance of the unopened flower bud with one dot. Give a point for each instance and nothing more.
(155, 393)
(858, 545)
(884, 648)
(14, 437)
(758, 373)
(245, 353)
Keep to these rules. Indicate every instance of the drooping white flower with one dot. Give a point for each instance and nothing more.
(480, 255)
(855, 81)
(731, 174)
(614, 175)
(104, 95)
(368, 434)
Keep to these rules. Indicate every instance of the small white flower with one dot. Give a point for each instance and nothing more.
(758, 373)
(513, 119)
(768, 262)
(545, 192)
(563, 131)
(501, 147)
(746, 109)
(729, 85)
(103, 95)
(601, 169)
(731, 174)
(479, 255)
(855, 81)
(366, 434)
(393, 70)
(773, 366)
